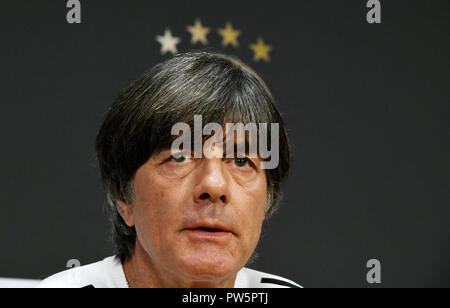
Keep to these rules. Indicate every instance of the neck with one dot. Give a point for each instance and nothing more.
(142, 272)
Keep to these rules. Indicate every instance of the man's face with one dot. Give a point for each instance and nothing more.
(199, 219)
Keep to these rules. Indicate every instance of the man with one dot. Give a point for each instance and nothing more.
(180, 219)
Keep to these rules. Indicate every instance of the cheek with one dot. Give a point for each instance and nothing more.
(251, 203)
(258, 195)
(157, 207)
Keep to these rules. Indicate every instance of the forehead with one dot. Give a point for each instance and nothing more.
(234, 133)
(243, 137)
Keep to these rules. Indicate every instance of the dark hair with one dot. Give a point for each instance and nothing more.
(218, 87)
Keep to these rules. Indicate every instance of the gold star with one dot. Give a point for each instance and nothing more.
(168, 42)
(230, 36)
(198, 33)
(261, 50)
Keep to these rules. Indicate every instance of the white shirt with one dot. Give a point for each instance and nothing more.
(109, 273)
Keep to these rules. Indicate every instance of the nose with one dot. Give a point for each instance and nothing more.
(212, 186)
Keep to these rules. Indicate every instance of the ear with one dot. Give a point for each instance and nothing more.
(126, 212)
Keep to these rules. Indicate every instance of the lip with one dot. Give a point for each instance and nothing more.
(199, 231)
(201, 234)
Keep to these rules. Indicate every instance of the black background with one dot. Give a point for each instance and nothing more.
(367, 107)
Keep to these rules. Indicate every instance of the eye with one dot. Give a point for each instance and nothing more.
(179, 158)
(241, 162)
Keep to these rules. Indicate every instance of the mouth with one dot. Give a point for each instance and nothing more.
(206, 231)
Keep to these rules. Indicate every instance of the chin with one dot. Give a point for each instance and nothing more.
(209, 268)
